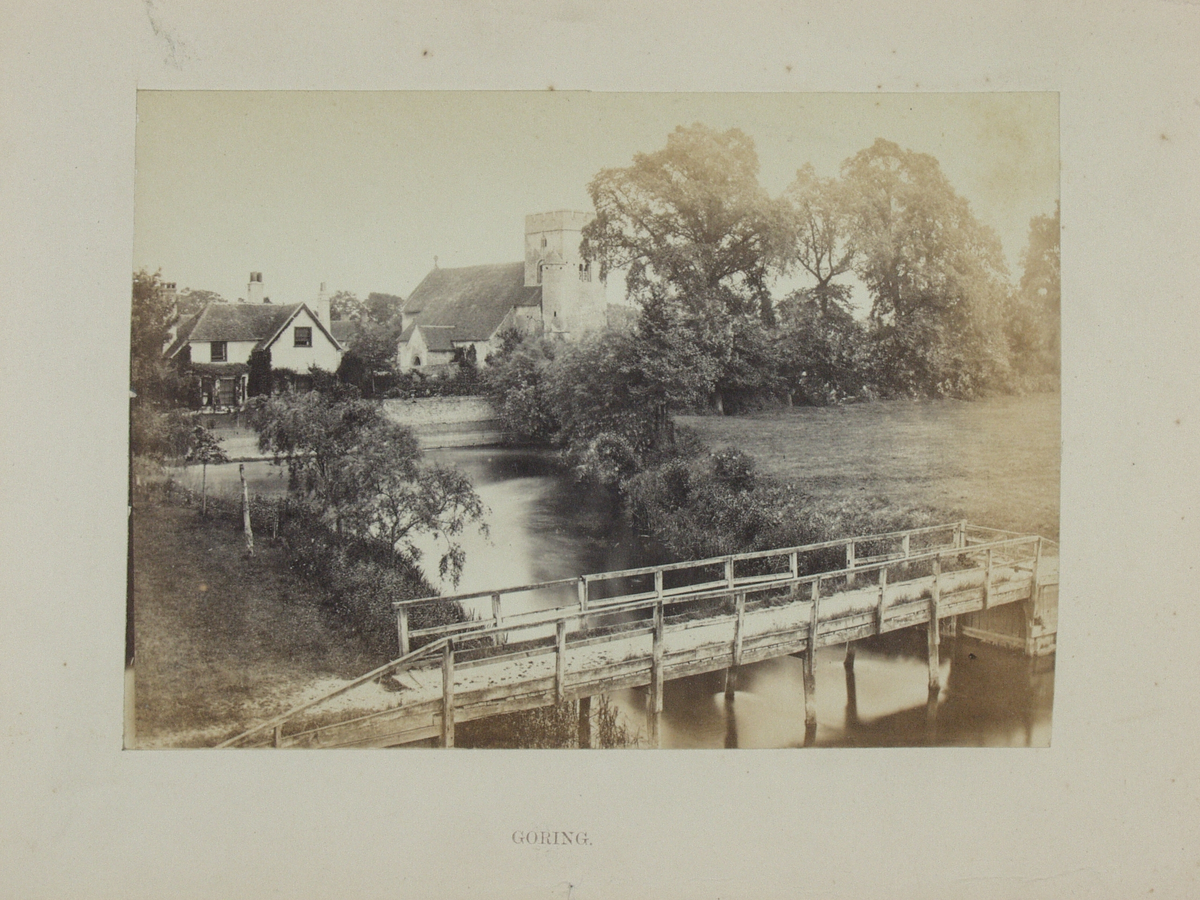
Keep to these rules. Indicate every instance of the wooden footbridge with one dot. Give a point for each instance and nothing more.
(571, 639)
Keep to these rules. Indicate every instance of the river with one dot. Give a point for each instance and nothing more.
(542, 527)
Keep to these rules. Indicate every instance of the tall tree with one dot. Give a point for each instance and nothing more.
(936, 275)
(816, 236)
(152, 315)
(345, 305)
(694, 232)
(690, 219)
(1036, 320)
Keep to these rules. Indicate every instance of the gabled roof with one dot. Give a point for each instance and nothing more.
(259, 322)
(474, 300)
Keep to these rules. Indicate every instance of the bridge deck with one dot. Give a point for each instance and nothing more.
(601, 649)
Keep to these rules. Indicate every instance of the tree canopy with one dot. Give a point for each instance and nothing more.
(936, 275)
(365, 472)
(690, 219)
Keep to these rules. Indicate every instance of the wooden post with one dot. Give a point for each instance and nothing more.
(731, 672)
(277, 737)
(585, 723)
(850, 563)
(497, 637)
(851, 686)
(1032, 610)
(960, 535)
(883, 577)
(794, 564)
(935, 596)
(740, 616)
(658, 583)
(448, 694)
(402, 628)
(809, 670)
(246, 510)
(560, 659)
(904, 546)
(729, 572)
(987, 580)
(656, 677)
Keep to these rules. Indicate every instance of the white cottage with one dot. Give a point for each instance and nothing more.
(221, 337)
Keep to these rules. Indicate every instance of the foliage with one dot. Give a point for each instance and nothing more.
(936, 276)
(715, 504)
(152, 379)
(157, 433)
(1035, 321)
(383, 308)
(817, 236)
(345, 305)
(822, 351)
(311, 432)
(515, 382)
(690, 222)
(205, 448)
(382, 490)
(364, 472)
(454, 381)
(259, 380)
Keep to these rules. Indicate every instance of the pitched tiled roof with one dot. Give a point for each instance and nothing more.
(236, 322)
(239, 321)
(474, 299)
(439, 338)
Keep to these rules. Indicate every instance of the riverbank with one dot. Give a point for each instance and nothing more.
(224, 640)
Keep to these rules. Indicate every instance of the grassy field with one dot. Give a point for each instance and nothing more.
(224, 640)
(993, 462)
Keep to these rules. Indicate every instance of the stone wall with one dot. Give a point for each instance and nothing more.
(447, 421)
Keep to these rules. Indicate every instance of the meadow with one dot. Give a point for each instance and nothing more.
(993, 462)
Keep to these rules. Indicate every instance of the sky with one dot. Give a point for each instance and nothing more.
(361, 190)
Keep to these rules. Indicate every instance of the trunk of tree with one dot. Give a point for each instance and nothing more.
(718, 402)
(204, 489)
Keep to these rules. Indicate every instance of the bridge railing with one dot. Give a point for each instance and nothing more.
(466, 644)
(772, 569)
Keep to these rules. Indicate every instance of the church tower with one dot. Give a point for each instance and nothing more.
(573, 298)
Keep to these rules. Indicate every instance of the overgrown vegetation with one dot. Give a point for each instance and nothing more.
(548, 728)
(363, 475)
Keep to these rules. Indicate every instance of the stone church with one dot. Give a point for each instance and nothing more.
(553, 292)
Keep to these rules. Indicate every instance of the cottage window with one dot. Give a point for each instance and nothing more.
(303, 337)
(220, 352)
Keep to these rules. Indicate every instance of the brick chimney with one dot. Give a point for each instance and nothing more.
(321, 308)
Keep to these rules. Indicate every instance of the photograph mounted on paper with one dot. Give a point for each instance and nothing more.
(572, 420)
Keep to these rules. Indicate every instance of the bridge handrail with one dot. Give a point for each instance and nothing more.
(480, 628)
(612, 606)
(395, 664)
(687, 564)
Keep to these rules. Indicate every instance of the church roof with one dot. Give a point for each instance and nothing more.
(474, 300)
(439, 338)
